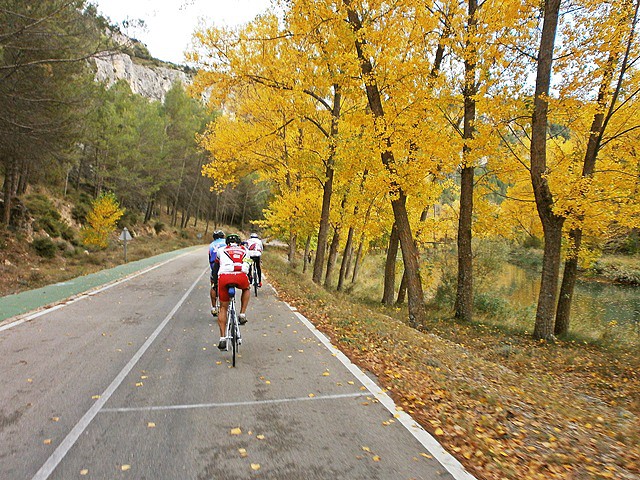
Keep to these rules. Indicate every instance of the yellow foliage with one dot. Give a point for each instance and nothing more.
(101, 221)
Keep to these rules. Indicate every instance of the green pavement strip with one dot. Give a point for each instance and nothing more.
(20, 303)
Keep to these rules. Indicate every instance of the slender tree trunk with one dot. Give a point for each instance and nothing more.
(417, 311)
(551, 223)
(464, 292)
(402, 291)
(327, 190)
(389, 289)
(349, 260)
(569, 277)
(346, 259)
(23, 179)
(8, 189)
(293, 238)
(356, 264)
(307, 249)
(333, 256)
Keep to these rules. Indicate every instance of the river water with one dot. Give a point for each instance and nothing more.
(593, 302)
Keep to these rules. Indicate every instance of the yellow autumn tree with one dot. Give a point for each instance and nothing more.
(101, 221)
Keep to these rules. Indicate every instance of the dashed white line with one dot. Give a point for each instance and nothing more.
(71, 438)
(234, 404)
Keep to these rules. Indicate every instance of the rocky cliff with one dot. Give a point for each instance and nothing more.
(151, 82)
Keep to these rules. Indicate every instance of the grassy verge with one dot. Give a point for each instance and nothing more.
(21, 268)
(505, 406)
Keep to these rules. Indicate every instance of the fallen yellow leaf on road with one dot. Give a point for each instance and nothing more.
(95, 397)
(439, 431)
(243, 452)
(235, 431)
(55, 419)
(151, 425)
(311, 395)
(376, 458)
(255, 466)
(325, 374)
(84, 471)
(47, 441)
(260, 437)
(139, 384)
(366, 449)
(124, 468)
(425, 455)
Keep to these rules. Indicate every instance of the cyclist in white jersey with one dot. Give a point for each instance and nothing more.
(255, 247)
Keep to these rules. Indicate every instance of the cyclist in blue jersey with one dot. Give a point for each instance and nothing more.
(218, 241)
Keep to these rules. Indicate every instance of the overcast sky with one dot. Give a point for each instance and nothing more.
(170, 23)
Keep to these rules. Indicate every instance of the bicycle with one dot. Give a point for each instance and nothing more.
(253, 277)
(232, 334)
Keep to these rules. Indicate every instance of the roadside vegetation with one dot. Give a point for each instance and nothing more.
(505, 405)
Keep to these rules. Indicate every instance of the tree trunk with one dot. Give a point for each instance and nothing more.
(356, 264)
(402, 291)
(23, 179)
(307, 249)
(551, 223)
(8, 189)
(417, 310)
(389, 289)
(333, 256)
(327, 190)
(293, 238)
(346, 258)
(464, 292)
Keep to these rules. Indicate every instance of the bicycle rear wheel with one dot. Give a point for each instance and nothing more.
(234, 340)
(255, 280)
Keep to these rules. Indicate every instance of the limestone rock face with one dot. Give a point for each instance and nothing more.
(151, 82)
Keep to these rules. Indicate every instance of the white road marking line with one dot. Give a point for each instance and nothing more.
(448, 461)
(71, 438)
(88, 294)
(234, 404)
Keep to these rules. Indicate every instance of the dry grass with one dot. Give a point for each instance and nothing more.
(505, 406)
(22, 269)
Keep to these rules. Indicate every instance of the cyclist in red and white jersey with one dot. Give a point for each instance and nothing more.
(254, 244)
(234, 265)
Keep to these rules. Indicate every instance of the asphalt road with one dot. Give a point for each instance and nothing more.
(128, 383)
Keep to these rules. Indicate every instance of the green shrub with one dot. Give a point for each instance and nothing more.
(491, 305)
(80, 211)
(129, 219)
(46, 216)
(44, 247)
(159, 227)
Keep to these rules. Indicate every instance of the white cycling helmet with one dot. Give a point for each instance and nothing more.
(254, 235)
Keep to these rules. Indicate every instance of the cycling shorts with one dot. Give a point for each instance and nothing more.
(239, 280)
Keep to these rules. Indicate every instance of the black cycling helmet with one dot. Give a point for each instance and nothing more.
(218, 234)
(233, 238)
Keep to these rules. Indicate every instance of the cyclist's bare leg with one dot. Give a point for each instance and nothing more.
(222, 318)
(213, 293)
(244, 300)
